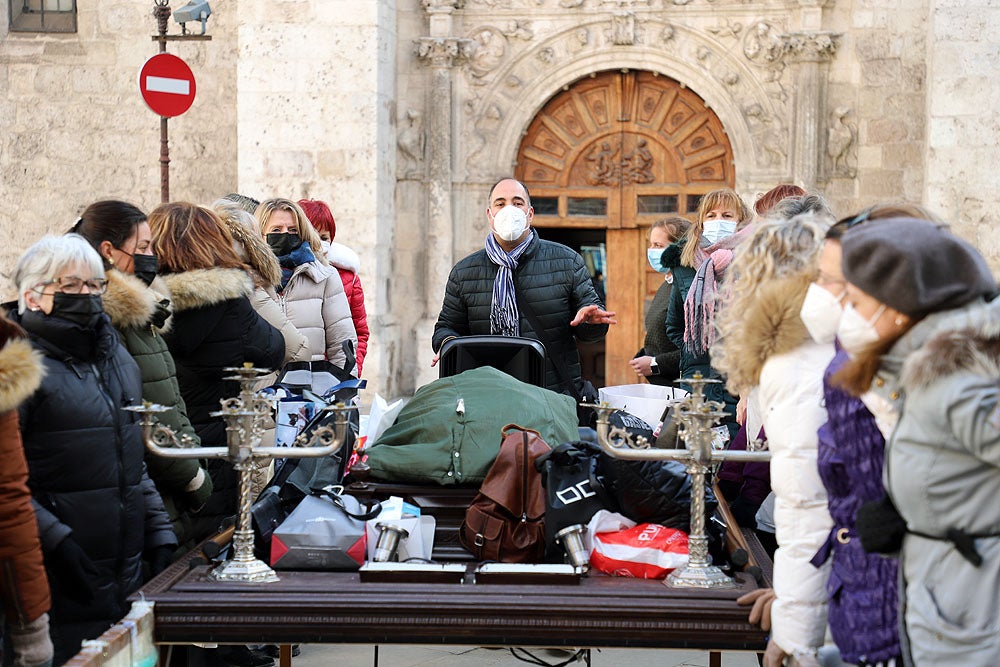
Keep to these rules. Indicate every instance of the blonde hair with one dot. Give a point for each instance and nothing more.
(307, 232)
(188, 237)
(724, 197)
(780, 255)
(248, 243)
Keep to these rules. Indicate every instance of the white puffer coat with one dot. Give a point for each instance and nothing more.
(315, 303)
(775, 348)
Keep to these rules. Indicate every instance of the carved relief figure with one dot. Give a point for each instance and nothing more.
(623, 28)
(605, 169)
(638, 164)
(411, 145)
(490, 48)
(763, 44)
(840, 140)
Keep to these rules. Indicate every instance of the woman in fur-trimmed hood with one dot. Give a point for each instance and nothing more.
(24, 588)
(763, 342)
(138, 304)
(214, 327)
(265, 271)
(923, 328)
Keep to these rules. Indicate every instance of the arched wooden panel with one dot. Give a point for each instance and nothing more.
(618, 150)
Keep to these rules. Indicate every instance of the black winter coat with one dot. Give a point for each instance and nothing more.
(86, 471)
(215, 327)
(550, 277)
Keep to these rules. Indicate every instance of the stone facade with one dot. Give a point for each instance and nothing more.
(401, 113)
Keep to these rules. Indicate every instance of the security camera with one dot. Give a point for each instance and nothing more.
(196, 10)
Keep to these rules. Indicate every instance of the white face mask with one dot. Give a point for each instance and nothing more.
(855, 333)
(821, 313)
(509, 223)
(716, 230)
(653, 256)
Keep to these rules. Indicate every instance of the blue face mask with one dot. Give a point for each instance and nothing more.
(654, 256)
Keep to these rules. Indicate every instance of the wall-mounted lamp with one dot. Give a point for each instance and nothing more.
(196, 10)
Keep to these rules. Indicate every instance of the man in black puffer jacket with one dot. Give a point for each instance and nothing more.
(485, 290)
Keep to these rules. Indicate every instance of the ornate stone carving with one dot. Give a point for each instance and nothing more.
(623, 28)
(489, 48)
(841, 144)
(547, 55)
(411, 145)
(570, 4)
(667, 34)
(768, 136)
(441, 6)
(443, 51)
(819, 46)
(727, 29)
(519, 30)
(636, 166)
(763, 44)
(513, 81)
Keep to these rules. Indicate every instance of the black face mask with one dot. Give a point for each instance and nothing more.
(283, 244)
(144, 267)
(82, 309)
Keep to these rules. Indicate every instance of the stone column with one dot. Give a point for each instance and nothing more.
(809, 53)
(441, 52)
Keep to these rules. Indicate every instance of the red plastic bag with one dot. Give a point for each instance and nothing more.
(646, 551)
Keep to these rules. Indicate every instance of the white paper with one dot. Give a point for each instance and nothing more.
(381, 417)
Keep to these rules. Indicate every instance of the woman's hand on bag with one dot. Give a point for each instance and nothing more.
(760, 612)
(641, 366)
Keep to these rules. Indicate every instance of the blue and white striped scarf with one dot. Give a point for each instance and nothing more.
(504, 316)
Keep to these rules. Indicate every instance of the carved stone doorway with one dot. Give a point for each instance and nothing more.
(617, 151)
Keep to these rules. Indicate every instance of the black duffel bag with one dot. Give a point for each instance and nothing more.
(575, 490)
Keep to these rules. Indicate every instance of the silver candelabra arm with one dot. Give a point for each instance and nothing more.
(244, 416)
(697, 416)
(164, 441)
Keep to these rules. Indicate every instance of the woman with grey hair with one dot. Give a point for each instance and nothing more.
(99, 515)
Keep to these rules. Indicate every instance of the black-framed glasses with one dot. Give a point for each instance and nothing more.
(75, 285)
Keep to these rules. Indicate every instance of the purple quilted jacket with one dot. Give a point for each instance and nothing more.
(862, 586)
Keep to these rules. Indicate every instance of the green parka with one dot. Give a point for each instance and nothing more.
(141, 315)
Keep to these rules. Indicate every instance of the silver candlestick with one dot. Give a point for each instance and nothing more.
(697, 416)
(244, 416)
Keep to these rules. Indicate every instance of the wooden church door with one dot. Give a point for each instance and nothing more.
(611, 154)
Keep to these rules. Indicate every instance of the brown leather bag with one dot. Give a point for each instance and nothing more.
(506, 520)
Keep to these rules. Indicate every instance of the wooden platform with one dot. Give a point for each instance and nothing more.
(332, 607)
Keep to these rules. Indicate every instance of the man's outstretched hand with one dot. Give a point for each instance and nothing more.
(593, 314)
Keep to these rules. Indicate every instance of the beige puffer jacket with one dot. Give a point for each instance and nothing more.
(315, 303)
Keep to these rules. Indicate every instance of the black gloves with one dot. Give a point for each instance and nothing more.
(160, 558)
(73, 569)
(880, 526)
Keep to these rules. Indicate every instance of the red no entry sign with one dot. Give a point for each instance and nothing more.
(167, 85)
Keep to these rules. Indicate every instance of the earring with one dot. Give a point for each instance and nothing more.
(899, 320)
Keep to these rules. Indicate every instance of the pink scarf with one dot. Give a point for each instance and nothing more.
(699, 307)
